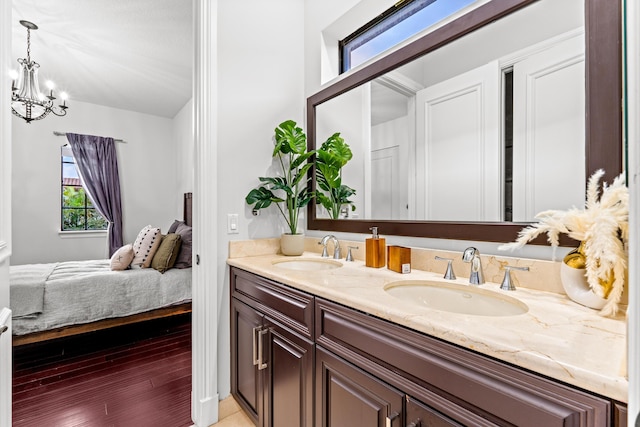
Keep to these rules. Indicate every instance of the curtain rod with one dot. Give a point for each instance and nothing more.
(56, 133)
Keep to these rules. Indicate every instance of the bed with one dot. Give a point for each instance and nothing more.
(61, 299)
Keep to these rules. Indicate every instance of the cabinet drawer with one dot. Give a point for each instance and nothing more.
(502, 394)
(291, 307)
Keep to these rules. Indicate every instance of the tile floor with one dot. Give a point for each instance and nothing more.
(231, 415)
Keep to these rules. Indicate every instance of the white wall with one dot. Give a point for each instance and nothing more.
(260, 69)
(148, 180)
(183, 140)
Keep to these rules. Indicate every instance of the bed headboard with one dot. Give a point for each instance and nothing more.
(188, 208)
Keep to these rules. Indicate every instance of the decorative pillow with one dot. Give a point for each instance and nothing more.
(174, 226)
(145, 246)
(165, 256)
(186, 236)
(121, 259)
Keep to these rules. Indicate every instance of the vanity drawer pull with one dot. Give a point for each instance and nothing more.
(261, 364)
(254, 345)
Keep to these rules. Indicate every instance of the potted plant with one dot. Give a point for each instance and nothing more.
(289, 190)
(594, 274)
(331, 157)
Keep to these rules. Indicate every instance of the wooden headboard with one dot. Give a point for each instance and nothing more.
(188, 208)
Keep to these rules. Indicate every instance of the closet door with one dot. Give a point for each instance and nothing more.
(549, 117)
(458, 123)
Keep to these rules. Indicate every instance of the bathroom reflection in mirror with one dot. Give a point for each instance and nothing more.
(488, 128)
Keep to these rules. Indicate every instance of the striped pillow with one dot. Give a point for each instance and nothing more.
(145, 246)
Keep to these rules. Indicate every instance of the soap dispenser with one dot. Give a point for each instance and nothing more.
(375, 250)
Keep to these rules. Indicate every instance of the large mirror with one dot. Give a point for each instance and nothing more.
(469, 131)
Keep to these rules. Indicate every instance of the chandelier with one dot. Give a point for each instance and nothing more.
(27, 101)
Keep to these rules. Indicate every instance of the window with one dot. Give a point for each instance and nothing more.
(393, 26)
(77, 210)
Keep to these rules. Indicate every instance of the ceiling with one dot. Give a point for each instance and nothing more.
(129, 54)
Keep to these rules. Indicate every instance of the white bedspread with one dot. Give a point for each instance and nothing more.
(85, 291)
(27, 289)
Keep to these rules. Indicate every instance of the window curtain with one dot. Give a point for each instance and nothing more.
(97, 164)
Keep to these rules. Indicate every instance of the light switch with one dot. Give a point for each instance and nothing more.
(232, 224)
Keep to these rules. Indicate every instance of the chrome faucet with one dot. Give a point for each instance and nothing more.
(472, 255)
(337, 254)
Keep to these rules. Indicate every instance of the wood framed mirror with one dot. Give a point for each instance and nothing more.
(603, 136)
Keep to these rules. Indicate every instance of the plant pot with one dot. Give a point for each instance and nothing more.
(574, 282)
(292, 244)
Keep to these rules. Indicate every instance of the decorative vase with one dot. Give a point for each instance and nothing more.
(574, 280)
(292, 244)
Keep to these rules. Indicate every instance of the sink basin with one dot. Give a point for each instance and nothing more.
(455, 298)
(307, 264)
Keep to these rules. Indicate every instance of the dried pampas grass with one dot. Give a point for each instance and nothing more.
(602, 226)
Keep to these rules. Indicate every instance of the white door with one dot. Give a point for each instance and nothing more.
(548, 117)
(5, 214)
(458, 123)
(386, 200)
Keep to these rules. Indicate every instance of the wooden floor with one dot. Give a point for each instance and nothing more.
(138, 375)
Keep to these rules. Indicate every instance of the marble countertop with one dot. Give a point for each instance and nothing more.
(556, 337)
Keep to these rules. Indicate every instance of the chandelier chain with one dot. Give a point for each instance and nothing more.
(28, 45)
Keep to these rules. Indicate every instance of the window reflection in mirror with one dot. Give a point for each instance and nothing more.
(431, 140)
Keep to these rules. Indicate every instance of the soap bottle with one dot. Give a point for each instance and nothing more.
(375, 250)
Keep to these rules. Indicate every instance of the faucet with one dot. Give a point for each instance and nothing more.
(336, 246)
(472, 255)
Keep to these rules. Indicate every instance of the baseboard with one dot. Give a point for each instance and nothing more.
(205, 411)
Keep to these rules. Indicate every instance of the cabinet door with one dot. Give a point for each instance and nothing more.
(347, 396)
(288, 378)
(420, 415)
(246, 385)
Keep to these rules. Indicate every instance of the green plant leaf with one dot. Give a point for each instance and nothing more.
(337, 149)
(301, 159)
(290, 138)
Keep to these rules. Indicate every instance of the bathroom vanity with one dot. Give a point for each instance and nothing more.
(328, 346)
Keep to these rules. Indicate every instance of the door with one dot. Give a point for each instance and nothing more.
(347, 396)
(549, 130)
(458, 123)
(246, 385)
(288, 385)
(387, 200)
(5, 214)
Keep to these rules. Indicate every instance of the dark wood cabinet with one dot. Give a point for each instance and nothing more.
(288, 385)
(299, 360)
(453, 383)
(420, 415)
(272, 352)
(246, 381)
(347, 396)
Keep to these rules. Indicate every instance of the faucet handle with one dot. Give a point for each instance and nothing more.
(349, 255)
(449, 274)
(507, 283)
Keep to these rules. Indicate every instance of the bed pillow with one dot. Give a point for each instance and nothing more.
(186, 237)
(167, 253)
(174, 226)
(145, 246)
(121, 259)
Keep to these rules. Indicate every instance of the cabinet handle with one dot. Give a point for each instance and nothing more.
(415, 424)
(390, 419)
(255, 350)
(261, 364)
